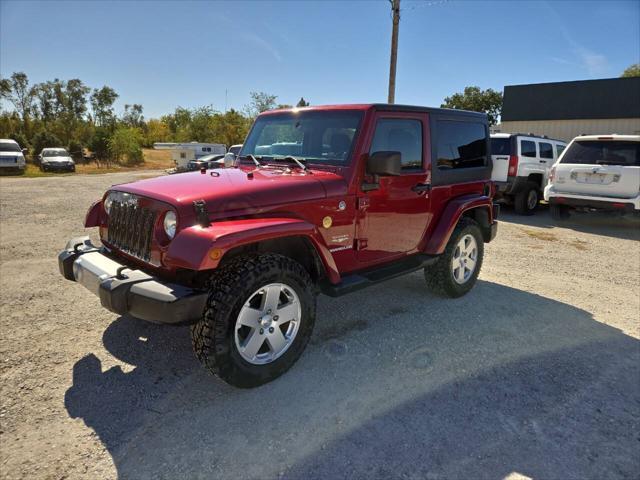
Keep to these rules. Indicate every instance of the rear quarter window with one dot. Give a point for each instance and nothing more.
(461, 145)
(603, 152)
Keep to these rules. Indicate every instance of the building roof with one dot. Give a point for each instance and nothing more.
(585, 99)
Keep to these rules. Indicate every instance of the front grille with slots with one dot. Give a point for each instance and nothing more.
(131, 229)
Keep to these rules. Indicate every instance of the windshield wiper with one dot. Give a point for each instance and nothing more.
(298, 161)
(253, 159)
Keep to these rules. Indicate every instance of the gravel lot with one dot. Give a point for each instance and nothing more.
(535, 373)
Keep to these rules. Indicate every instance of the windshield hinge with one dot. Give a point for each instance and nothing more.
(202, 214)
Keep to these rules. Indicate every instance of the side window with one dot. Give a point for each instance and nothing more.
(559, 149)
(461, 145)
(399, 135)
(546, 150)
(528, 148)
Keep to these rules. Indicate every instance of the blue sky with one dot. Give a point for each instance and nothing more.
(166, 54)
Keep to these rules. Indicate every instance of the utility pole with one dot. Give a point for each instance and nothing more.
(395, 8)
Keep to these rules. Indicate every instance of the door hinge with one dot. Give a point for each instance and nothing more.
(361, 243)
(363, 202)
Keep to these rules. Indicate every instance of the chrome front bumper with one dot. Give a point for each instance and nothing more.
(124, 290)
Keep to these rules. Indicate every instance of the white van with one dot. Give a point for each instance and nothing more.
(521, 165)
(596, 172)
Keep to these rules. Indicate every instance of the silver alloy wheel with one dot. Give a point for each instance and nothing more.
(268, 323)
(532, 199)
(465, 258)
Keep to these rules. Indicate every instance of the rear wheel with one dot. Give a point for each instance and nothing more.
(457, 269)
(257, 321)
(559, 212)
(527, 200)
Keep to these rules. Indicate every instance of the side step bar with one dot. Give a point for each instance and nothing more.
(366, 278)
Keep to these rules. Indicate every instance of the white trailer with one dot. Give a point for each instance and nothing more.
(183, 153)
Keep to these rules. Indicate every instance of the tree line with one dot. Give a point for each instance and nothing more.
(68, 113)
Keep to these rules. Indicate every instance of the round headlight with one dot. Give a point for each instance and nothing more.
(108, 201)
(170, 224)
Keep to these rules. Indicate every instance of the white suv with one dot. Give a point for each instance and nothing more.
(521, 165)
(596, 172)
(11, 156)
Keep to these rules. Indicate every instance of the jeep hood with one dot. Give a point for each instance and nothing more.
(233, 190)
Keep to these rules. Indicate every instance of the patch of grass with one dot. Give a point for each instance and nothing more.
(153, 160)
(539, 235)
(579, 244)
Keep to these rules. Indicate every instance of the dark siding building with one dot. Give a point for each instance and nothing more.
(564, 110)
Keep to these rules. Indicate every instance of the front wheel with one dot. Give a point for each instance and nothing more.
(257, 321)
(457, 269)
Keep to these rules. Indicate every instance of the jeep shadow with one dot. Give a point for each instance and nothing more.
(624, 227)
(496, 382)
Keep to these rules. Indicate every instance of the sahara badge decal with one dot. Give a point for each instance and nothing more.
(327, 222)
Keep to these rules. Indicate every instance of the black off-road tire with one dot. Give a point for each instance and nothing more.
(559, 212)
(229, 288)
(439, 276)
(521, 201)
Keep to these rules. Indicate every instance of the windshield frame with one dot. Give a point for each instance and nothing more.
(315, 161)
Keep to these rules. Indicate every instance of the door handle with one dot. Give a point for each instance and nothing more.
(421, 187)
(543, 161)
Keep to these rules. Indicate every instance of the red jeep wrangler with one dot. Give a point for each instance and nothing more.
(322, 199)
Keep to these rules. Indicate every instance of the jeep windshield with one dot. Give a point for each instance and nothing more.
(320, 137)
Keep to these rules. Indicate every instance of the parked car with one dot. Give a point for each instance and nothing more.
(521, 165)
(235, 149)
(208, 161)
(56, 160)
(11, 156)
(242, 252)
(596, 172)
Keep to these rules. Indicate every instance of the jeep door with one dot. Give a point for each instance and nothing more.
(394, 216)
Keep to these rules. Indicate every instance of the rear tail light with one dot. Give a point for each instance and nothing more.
(552, 174)
(513, 165)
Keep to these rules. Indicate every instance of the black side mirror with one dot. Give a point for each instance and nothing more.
(384, 163)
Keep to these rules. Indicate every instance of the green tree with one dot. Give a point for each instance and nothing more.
(10, 123)
(45, 96)
(124, 145)
(302, 103)
(260, 102)
(132, 116)
(20, 138)
(473, 98)
(102, 101)
(99, 144)
(632, 71)
(45, 139)
(231, 127)
(156, 131)
(20, 94)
